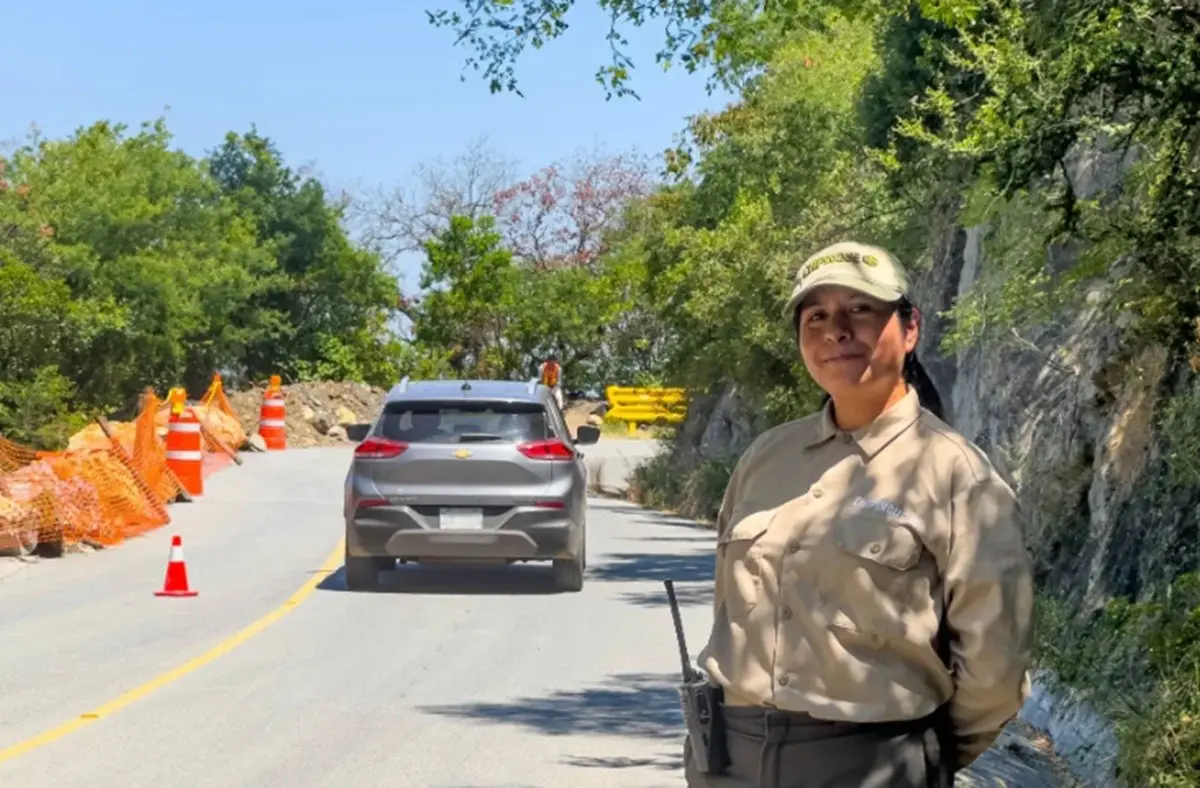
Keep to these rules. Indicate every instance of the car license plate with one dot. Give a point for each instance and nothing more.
(462, 519)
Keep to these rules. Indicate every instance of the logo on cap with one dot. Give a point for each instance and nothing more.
(853, 258)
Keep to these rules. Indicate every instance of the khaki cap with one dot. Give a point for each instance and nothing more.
(868, 269)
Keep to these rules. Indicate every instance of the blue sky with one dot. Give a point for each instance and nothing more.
(361, 90)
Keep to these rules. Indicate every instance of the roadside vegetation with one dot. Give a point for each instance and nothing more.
(1069, 126)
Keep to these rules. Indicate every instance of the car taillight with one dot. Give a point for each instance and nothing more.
(546, 450)
(379, 449)
(549, 505)
(373, 503)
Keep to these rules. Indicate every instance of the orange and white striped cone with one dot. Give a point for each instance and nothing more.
(176, 581)
(272, 418)
(185, 449)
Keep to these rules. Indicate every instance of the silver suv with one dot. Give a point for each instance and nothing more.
(468, 471)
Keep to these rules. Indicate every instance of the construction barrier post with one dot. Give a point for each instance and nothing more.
(185, 448)
(272, 418)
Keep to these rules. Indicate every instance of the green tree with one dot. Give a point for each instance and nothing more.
(568, 311)
(143, 272)
(40, 326)
(326, 311)
(472, 285)
(125, 263)
(496, 317)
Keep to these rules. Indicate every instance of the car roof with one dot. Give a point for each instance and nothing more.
(508, 390)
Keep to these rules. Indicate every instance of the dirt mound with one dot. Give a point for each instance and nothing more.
(581, 411)
(318, 412)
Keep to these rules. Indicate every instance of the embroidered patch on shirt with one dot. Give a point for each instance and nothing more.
(888, 508)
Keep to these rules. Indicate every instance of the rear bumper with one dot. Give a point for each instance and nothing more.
(401, 532)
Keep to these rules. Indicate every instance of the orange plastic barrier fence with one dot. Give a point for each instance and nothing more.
(112, 481)
(219, 418)
(103, 489)
(92, 495)
(150, 452)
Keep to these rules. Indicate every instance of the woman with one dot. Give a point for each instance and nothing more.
(873, 595)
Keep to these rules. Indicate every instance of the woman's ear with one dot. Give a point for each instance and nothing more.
(912, 331)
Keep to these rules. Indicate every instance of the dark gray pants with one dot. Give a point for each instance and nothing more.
(775, 749)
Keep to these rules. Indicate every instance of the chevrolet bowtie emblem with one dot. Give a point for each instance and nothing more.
(462, 454)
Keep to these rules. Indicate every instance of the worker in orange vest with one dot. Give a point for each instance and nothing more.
(551, 376)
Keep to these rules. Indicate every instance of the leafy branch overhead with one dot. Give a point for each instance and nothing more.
(733, 39)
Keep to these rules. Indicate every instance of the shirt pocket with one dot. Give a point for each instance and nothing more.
(740, 562)
(879, 587)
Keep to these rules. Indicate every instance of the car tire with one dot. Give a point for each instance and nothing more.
(362, 574)
(568, 573)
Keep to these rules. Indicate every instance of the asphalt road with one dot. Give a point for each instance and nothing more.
(275, 675)
(448, 678)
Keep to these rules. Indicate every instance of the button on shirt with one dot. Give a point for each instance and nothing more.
(840, 554)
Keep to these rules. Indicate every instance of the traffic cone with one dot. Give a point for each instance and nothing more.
(176, 582)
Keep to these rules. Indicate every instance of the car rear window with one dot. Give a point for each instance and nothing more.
(461, 422)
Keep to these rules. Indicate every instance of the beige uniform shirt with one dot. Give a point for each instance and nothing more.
(838, 556)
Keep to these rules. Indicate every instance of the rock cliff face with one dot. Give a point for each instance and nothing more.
(1069, 413)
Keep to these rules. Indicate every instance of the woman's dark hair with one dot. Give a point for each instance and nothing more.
(914, 372)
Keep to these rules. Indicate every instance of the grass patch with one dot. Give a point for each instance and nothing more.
(1139, 664)
(620, 429)
(692, 490)
(614, 429)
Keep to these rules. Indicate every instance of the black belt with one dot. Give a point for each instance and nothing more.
(796, 727)
(753, 719)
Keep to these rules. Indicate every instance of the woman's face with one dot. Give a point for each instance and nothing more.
(852, 343)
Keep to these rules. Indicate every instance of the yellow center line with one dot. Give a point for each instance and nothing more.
(137, 693)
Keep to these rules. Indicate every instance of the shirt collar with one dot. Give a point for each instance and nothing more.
(879, 433)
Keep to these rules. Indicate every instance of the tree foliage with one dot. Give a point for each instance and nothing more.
(329, 301)
(516, 269)
(733, 38)
(494, 315)
(396, 219)
(1067, 87)
(125, 264)
(562, 214)
(474, 286)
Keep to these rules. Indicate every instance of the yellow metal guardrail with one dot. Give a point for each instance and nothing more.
(636, 406)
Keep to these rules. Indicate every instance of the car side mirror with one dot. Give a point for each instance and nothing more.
(358, 432)
(586, 435)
